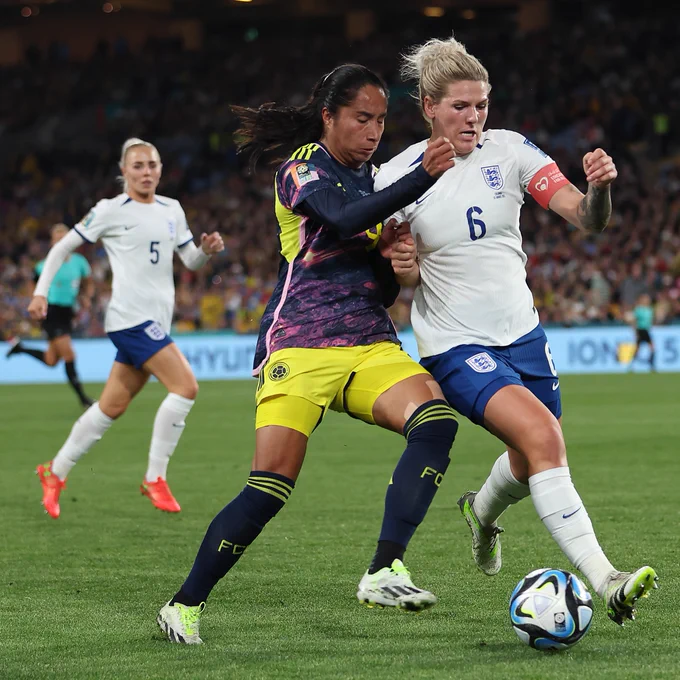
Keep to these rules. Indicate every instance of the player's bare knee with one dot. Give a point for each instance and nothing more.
(279, 462)
(188, 389)
(518, 465)
(545, 443)
(279, 450)
(113, 410)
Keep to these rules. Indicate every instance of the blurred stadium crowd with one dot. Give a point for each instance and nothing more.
(568, 90)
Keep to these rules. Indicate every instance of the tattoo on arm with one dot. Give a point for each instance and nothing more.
(595, 209)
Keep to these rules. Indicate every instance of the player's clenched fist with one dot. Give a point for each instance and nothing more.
(404, 257)
(38, 307)
(439, 157)
(599, 168)
(391, 232)
(212, 244)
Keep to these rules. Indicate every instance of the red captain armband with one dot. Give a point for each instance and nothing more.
(546, 183)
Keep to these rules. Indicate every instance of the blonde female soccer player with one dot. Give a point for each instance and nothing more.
(141, 231)
(473, 314)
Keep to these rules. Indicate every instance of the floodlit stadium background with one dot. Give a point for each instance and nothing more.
(78, 77)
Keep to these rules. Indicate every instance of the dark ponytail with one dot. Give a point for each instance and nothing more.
(273, 132)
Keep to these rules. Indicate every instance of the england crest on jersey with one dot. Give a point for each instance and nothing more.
(481, 363)
(492, 176)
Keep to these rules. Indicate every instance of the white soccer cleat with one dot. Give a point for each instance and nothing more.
(392, 587)
(180, 622)
(625, 589)
(486, 546)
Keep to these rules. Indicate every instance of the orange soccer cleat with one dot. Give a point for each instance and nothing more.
(160, 495)
(52, 486)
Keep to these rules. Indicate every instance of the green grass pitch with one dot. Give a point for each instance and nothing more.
(80, 594)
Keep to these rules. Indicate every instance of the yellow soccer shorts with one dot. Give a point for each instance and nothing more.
(298, 385)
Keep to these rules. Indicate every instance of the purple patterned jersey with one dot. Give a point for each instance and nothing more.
(328, 293)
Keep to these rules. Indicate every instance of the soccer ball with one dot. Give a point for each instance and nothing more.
(550, 609)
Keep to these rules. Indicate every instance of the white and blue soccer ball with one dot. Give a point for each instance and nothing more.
(551, 609)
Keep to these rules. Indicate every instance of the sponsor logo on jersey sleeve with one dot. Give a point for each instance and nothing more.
(481, 363)
(535, 148)
(304, 173)
(88, 219)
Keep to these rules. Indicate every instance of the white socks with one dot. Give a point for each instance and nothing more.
(167, 429)
(86, 431)
(500, 490)
(91, 426)
(560, 508)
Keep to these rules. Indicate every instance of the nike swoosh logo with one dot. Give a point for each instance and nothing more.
(572, 513)
(176, 425)
(556, 385)
(423, 198)
(132, 226)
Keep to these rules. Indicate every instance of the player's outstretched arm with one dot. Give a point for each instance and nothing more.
(589, 212)
(194, 258)
(350, 217)
(55, 258)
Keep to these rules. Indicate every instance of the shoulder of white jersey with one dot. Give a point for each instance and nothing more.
(511, 138)
(166, 200)
(172, 204)
(400, 165)
(103, 207)
(116, 201)
(501, 137)
(408, 157)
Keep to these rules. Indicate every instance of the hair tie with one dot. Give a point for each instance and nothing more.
(328, 75)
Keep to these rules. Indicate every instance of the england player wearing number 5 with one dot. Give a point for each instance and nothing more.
(140, 231)
(473, 314)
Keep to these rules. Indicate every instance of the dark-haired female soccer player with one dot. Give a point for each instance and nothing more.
(326, 340)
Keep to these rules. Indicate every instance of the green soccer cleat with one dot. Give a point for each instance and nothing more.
(180, 622)
(486, 545)
(392, 587)
(625, 589)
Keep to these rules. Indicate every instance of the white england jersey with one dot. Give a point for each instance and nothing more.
(140, 240)
(473, 286)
